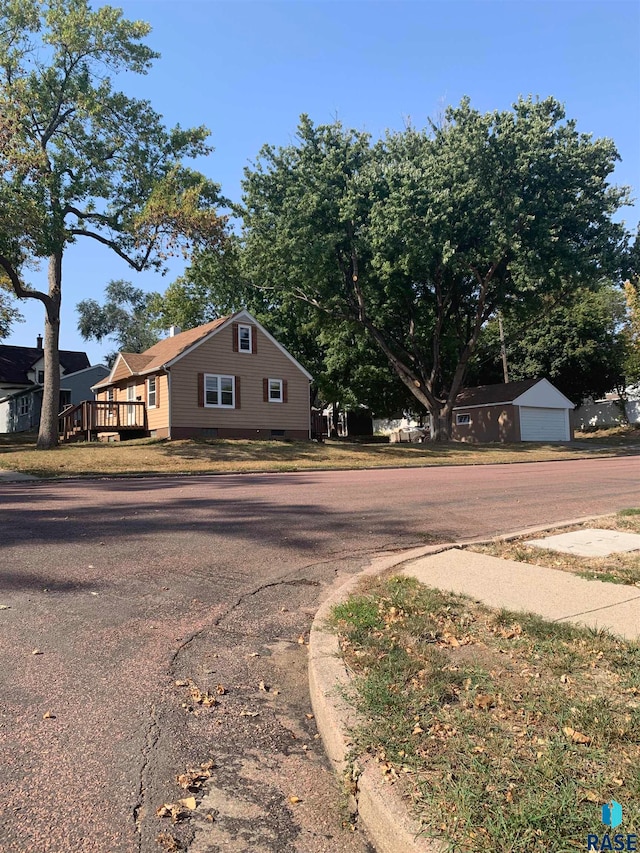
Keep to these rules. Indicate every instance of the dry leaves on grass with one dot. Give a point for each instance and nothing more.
(575, 736)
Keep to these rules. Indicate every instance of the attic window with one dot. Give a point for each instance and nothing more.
(41, 377)
(463, 419)
(244, 339)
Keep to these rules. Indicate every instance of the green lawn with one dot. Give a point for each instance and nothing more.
(507, 732)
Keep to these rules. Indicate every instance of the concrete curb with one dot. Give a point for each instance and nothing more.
(382, 813)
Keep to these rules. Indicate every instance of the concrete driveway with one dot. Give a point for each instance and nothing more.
(125, 587)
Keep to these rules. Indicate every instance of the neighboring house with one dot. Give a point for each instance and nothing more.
(22, 367)
(227, 379)
(21, 378)
(608, 411)
(529, 410)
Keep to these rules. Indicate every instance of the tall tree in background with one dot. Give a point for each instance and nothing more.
(578, 342)
(125, 315)
(80, 160)
(346, 365)
(423, 236)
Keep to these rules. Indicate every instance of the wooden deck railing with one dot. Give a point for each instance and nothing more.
(93, 416)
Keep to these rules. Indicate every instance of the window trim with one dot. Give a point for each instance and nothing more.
(460, 421)
(153, 405)
(279, 399)
(246, 326)
(219, 377)
(24, 406)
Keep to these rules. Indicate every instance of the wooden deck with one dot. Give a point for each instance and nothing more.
(87, 419)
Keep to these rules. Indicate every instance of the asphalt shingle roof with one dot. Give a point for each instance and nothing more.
(486, 395)
(16, 362)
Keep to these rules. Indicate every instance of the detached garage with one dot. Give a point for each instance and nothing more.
(530, 410)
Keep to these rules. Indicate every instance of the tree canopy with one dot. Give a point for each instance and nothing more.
(578, 341)
(81, 160)
(125, 315)
(421, 237)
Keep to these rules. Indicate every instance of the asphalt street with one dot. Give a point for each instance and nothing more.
(149, 626)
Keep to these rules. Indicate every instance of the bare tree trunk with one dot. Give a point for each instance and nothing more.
(442, 422)
(48, 434)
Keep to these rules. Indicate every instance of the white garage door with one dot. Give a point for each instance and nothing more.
(543, 424)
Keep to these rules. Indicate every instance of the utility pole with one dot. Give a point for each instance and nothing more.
(503, 348)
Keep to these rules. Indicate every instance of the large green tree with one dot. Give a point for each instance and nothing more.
(578, 341)
(125, 315)
(347, 366)
(421, 237)
(82, 161)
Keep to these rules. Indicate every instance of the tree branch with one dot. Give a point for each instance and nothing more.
(23, 292)
(137, 265)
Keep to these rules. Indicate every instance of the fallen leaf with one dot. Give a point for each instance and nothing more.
(417, 730)
(36, 652)
(182, 683)
(591, 796)
(294, 799)
(173, 810)
(48, 716)
(209, 817)
(249, 713)
(254, 655)
(188, 803)
(484, 701)
(262, 686)
(168, 842)
(576, 737)
(221, 690)
(8, 606)
(309, 716)
(301, 640)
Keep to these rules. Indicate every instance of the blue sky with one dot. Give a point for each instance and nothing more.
(248, 70)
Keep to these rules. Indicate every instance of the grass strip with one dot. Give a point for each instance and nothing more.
(623, 567)
(509, 731)
(224, 456)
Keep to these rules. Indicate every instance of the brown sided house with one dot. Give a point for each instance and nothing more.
(529, 410)
(227, 379)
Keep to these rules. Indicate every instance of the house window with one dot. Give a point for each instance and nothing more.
(218, 391)
(463, 419)
(111, 395)
(23, 406)
(151, 392)
(40, 377)
(275, 390)
(244, 339)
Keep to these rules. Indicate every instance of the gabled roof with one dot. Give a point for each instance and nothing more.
(526, 392)
(169, 350)
(16, 362)
(487, 395)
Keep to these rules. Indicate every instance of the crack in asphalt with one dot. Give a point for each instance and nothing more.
(152, 736)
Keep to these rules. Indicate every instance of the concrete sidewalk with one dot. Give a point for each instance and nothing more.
(505, 584)
(555, 595)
